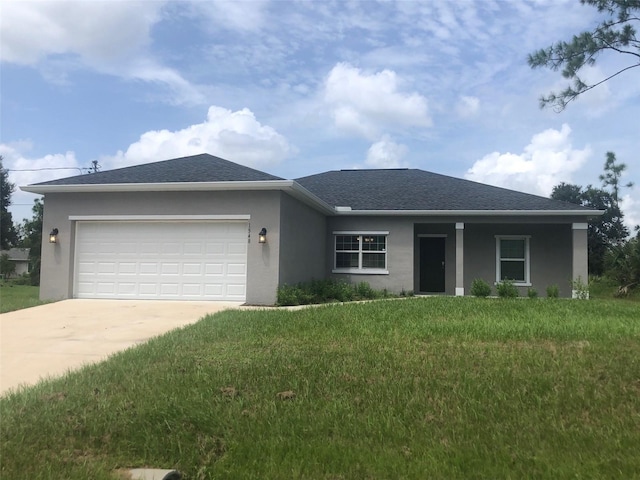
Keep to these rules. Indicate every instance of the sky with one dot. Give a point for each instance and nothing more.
(296, 88)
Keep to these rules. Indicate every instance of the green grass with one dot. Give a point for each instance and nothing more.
(605, 288)
(418, 388)
(16, 297)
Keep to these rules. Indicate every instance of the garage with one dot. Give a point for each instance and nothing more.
(171, 260)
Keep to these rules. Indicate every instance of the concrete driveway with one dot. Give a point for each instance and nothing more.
(50, 339)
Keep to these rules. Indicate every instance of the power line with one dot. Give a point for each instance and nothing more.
(44, 168)
(94, 168)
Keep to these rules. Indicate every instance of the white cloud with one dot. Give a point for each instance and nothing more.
(367, 104)
(25, 169)
(548, 160)
(110, 37)
(468, 106)
(386, 154)
(236, 136)
(97, 31)
(631, 209)
(182, 92)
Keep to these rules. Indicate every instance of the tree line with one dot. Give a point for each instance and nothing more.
(611, 252)
(26, 235)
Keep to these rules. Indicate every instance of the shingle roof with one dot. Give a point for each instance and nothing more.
(412, 189)
(17, 254)
(197, 168)
(388, 189)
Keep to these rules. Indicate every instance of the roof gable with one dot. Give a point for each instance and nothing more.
(412, 189)
(196, 168)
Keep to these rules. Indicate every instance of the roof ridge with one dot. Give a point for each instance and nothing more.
(191, 168)
(373, 169)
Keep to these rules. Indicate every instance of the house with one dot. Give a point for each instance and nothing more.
(204, 228)
(20, 258)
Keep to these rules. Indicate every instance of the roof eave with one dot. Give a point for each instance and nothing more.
(301, 193)
(471, 213)
(294, 189)
(290, 186)
(159, 187)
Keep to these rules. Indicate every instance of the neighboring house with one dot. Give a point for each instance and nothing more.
(20, 258)
(188, 228)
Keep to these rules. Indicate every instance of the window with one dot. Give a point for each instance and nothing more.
(360, 252)
(512, 259)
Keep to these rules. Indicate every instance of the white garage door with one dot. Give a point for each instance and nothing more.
(161, 260)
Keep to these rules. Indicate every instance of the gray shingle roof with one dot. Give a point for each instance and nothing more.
(388, 189)
(197, 168)
(17, 254)
(411, 189)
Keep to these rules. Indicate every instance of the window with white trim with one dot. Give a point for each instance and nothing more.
(512, 259)
(360, 252)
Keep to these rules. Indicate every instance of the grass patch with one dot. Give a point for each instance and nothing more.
(606, 288)
(16, 297)
(418, 388)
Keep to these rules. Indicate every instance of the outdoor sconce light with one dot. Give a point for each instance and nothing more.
(53, 236)
(262, 236)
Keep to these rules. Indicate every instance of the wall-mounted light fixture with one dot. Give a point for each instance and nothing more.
(53, 236)
(262, 236)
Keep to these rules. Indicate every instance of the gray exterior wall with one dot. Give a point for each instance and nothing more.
(262, 206)
(550, 254)
(302, 242)
(551, 249)
(400, 250)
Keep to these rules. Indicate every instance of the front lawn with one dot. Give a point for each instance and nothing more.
(16, 297)
(416, 388)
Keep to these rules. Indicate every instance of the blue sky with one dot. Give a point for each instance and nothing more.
(300, 87)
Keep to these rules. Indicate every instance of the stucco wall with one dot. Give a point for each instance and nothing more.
(550, 249)
(399, 250)
(262, 206)
(302, 242)
(550, 254)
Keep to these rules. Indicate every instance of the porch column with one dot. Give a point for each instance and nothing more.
(459, 259)
(580, 268)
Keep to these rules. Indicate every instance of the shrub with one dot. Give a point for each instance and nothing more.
(622, 263)
(364, 290)
(480, 288)
(580, 289)
(532, 293)
(7, 267)
(23, 279)
(325, 291)
(506, 289)
(553, 291)
(288, 295)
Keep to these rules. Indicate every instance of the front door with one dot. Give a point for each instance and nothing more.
(432, 264)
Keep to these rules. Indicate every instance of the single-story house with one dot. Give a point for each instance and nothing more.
(20, 258)
(204, 228)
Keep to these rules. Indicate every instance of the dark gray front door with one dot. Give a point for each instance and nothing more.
(432, 264)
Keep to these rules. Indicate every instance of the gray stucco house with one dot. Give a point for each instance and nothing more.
(189, 228)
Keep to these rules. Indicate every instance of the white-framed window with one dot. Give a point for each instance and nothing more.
(360, 252)
(512, 259)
